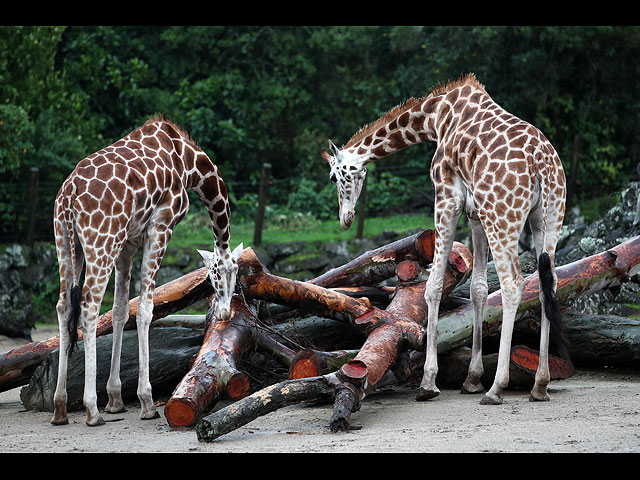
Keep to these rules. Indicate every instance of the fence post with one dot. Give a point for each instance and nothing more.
(32, 207)
(262, 202)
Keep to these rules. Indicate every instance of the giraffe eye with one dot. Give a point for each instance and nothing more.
(333, 178)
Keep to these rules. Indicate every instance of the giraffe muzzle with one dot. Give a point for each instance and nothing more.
(347, 219)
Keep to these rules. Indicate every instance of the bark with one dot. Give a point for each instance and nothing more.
(259, 284)
(17, 365)
(604, 270)
(214, 371)
(400, 324)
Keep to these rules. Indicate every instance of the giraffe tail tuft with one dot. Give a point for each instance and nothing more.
(551, 306)
(74, 316)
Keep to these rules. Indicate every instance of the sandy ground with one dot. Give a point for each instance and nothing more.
(594, 411)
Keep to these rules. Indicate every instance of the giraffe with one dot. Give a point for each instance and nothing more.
(497, 169)
(130, 194)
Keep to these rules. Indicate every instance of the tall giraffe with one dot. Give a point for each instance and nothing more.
(499, 170)
(130, 194)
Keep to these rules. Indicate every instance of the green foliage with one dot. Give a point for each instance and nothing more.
(254, 94)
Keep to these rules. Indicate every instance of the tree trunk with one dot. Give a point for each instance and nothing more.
(323, 388)
(377, 265)
(214, 371)
(594, 340)
(454, 367)
(171, 351)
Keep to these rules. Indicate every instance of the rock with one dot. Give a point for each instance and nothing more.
(285, 249)
(23, 271)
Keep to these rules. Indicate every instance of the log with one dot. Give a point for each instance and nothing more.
(594, 340)
(257, 283)
(214, 371)
(590, 274)
(17, 365)
(171, 351)
(377, 265)
(388, 331)
(323, 388)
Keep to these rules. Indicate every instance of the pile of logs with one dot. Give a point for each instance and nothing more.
(372, 334)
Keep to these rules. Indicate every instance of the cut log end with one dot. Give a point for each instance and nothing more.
(355, 369)
(238, 386)
(180, 412)
(407, 270)
(306, 364)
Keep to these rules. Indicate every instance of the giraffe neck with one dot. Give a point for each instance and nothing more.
(417, 120)
(200, 175)
(206, 182)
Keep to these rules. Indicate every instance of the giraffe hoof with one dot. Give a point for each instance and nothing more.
(488, 400)
(468, 387)
(537, 398)
(59, 421)
(114, 409)
(149, 416)
(426, 394)
(95, 422)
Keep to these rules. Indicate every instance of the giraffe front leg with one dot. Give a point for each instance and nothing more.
(156, 240)
(447, 215)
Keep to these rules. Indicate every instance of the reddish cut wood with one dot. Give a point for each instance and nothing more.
(527, 359)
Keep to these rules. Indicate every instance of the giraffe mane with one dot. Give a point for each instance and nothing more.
(161, 117)
(439, 89)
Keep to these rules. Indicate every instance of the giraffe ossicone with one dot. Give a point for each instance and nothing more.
(500, 171)
(128, 195)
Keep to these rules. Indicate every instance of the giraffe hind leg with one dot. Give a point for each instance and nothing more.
(67, 308)
(549, 314)
(119, 318)
(479, 292)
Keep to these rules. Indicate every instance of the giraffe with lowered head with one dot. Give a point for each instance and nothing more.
(497, 169)
(130, 194)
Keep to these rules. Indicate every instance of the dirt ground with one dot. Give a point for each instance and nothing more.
(594, 411)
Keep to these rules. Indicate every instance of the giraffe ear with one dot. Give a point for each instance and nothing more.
(324, 154)
(237, 252)
(334, 150)
(207, 257)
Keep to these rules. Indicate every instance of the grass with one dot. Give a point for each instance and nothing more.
(197, 233)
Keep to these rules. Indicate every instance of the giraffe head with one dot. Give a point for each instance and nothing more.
(348, 171)
(222, 269)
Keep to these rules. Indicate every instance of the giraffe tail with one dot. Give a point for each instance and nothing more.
(74, 317)
(551, 306)
(75, 294)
